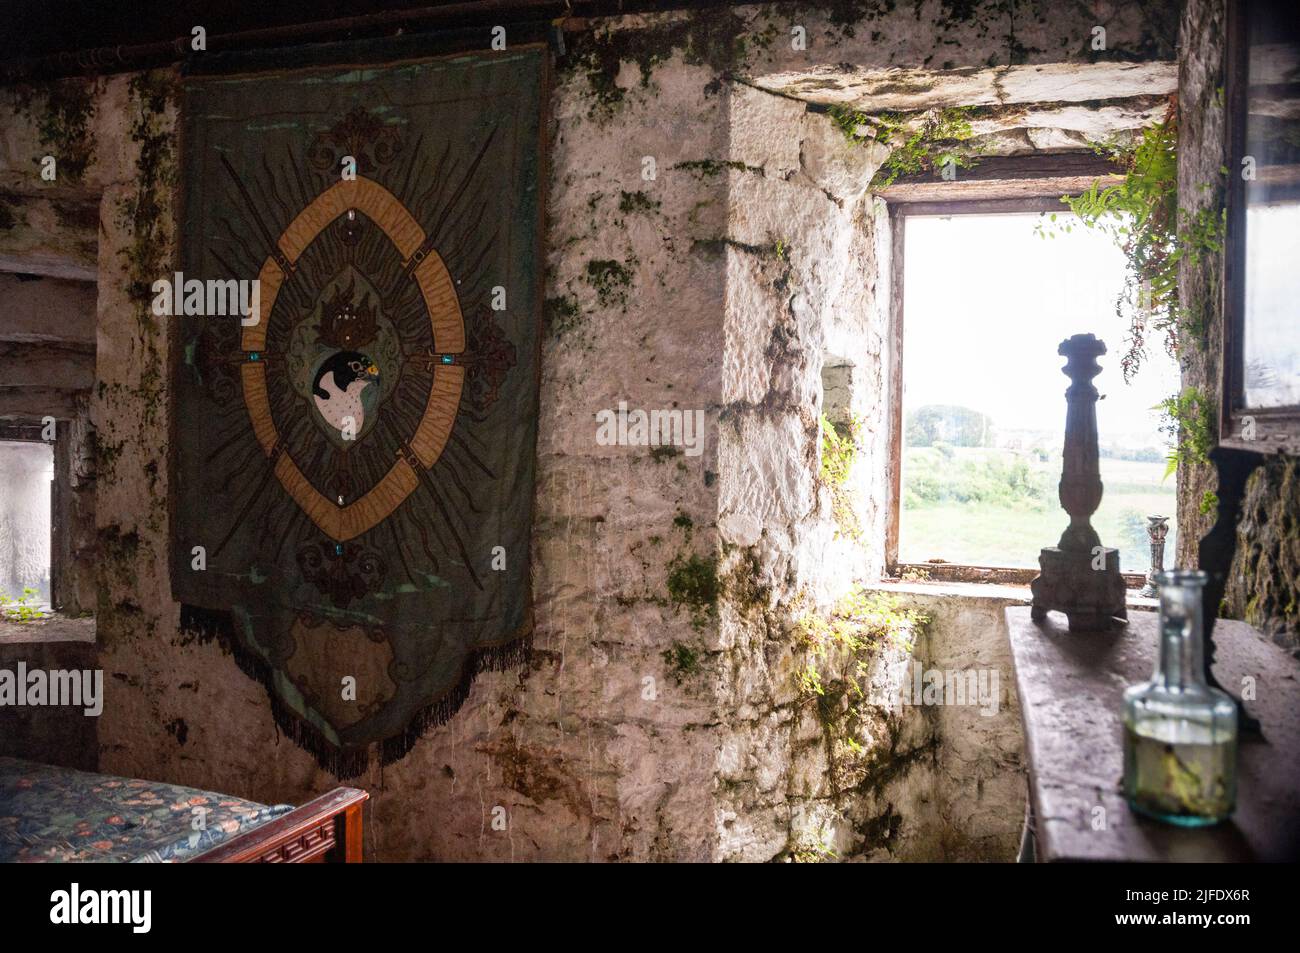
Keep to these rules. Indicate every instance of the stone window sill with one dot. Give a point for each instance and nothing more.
(994, 592)
(54, 628)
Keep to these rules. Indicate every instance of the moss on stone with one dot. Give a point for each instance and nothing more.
(117, 552)
(561, 314)
(743, 586)
(683, 661)
(147, 212)
(919, 142)
(847, 15)
(709, 168)
(715, 245)
(712, 37)
(1264, 585)
(62, 111)
(839, 449)
(693, 585)
(858, 627)
(634, 202)
(106, 455)
(611, 280)
(805, 851)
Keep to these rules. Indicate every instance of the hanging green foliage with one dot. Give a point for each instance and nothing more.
(1141, 213)
(1143, 216)
(918, 142)
(1189, 422)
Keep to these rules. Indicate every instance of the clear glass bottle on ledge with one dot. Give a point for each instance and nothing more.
(1180, 735)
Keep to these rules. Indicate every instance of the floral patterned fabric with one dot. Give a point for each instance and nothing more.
(50, 814)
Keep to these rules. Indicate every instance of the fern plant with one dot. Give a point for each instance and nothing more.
(1141, 213)
(1143, 216)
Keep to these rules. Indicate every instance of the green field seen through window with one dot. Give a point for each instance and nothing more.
(987, 300)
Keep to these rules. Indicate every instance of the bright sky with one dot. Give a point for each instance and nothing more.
(1272, 293)
(987, 301)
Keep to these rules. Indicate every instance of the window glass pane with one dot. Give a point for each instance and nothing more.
(986, 302)
(1270, 345)
(26, 471)
(1270, 336)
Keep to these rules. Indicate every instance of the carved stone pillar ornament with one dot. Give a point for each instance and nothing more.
(1157, 530)
(1079, 576)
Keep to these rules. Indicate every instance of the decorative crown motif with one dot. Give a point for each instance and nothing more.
(346, 324)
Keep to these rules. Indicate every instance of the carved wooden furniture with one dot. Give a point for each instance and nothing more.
(1080, 577)
(55, 814)
(324, 831)
(1070, 699)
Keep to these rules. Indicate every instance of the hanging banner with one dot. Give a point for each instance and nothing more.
(356, 385)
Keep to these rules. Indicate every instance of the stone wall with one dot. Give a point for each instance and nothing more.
(661, 715)
(1201, 154)
(1264, 585)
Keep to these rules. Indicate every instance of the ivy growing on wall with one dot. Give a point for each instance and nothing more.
(918, 142)
(1143, 215)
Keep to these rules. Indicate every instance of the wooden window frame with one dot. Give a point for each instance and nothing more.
(1004, 185)
(1279, 426)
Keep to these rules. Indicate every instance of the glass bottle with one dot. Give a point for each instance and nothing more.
(1180, 735)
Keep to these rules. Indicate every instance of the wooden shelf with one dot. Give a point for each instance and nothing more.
(1071, 688)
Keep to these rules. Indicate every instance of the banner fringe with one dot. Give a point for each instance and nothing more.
(342, 761)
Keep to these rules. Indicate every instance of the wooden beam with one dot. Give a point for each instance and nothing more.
(47, 266)
(981, 206)
(1009, 177)
(894, 345)
(1071, 692)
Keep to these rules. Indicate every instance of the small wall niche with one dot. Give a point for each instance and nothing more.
(837, 390)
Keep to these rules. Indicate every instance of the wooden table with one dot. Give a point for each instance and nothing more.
(1071, 689)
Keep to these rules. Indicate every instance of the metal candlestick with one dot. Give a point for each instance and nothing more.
(1157, 530)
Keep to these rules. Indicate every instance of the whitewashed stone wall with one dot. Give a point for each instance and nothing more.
(660, 717)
